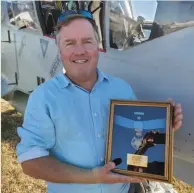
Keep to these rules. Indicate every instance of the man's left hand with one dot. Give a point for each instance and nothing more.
(178, 116)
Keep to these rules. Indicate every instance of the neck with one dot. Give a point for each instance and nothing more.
(87, 84)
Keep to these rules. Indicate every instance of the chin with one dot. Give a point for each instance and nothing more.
(84, 75)
(86, 70)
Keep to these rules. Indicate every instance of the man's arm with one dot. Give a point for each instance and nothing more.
(50, 169)
(37, 136)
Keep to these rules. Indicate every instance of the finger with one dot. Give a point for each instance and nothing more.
(171, 101)
(109, 166)
(178, 109)
(178, 113)
(117, 178)
(178, 118)
(117, 161)
(178, 105)
(177, 126)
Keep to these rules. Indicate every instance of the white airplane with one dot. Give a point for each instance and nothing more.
(148, 44)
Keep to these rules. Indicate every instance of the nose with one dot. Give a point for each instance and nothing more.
(79, 49)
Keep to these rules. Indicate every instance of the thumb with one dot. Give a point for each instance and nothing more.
(171, 101)
(109, 166)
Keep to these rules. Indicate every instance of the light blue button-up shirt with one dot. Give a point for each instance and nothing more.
(70, 123)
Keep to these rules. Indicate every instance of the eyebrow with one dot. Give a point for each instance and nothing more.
(72, 40)
(88, 38)
(69, 40)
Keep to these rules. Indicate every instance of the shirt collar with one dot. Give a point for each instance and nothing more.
(101, 76)
(64, 81)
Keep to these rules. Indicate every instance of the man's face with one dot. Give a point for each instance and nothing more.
(79, 49)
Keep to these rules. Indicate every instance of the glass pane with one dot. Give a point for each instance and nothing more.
(10, 13)
(3, 11)
(50, 11)
(25, 14)
(96, 7)
(48, 4)
(135, 22)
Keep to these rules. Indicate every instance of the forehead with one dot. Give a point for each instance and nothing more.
(78, 28)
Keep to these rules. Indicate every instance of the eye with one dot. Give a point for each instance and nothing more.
(88, 42)
(69, 44)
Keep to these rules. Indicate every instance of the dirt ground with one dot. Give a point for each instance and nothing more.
(13, 180)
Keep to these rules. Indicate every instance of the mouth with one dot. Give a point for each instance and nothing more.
(80, 61)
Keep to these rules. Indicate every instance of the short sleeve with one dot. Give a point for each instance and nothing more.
(37, 133)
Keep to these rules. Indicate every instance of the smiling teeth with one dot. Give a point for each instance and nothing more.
(80, 61)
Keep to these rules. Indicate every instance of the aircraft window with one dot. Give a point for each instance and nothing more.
(24, 15)
(97, 9)
(135, 22)
(10, 13)
(4, 11)
(50, 11)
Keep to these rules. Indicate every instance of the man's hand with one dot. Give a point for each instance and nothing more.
(104, 175)
(178, 115)
(51, 170)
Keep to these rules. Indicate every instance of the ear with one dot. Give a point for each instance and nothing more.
(57, 44)
(57, 39)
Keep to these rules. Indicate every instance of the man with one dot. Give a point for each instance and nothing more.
(63, 136)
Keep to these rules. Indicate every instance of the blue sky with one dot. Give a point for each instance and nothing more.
(146, 9)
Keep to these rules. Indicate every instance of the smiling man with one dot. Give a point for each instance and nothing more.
(78, 47)
(63, 136)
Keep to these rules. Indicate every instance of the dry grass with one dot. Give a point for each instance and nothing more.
(13, 180)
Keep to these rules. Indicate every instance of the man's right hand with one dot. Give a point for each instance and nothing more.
(104, 175)
(51, 170)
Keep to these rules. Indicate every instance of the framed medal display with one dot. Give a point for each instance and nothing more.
(140, 135)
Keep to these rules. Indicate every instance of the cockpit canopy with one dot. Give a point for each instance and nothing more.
(129, 23)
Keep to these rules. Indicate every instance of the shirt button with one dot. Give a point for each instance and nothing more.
(95, 114)
(99, 135)
(102, 159)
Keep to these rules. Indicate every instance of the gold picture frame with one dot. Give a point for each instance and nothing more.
(140, 134)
